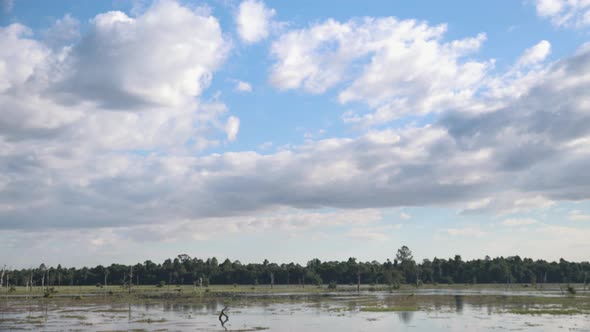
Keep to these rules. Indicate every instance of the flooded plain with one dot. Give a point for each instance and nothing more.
(427, 310)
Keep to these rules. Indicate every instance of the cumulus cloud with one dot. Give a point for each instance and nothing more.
(565, 13)
(408, 67)
(232, 126)
(577, 215)
(242, 86)
(535, 54)
(405, 216)
(465, 232)
(164, 57)
(74, 158)
(254, 20)
(518, 222)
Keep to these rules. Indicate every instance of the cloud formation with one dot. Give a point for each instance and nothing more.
(254, 21)
(565, 13)
(407, 67)
(104, 129)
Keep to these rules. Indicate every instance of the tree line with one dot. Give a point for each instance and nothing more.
(184, 270)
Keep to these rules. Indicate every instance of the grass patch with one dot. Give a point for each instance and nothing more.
(389, 309)
(546, 312)
(149, 320)
(80, 317)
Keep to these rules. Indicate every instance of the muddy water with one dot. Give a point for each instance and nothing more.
(327, 312)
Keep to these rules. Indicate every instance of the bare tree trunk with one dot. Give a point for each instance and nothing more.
(2, 277)
(358, 280)
(272, 279)
(130, 278)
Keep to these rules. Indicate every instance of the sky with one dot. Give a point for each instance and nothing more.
(291, 130)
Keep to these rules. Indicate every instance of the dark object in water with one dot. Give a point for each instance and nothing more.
(223, 314)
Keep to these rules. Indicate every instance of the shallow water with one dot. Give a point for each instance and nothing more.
(324, 312)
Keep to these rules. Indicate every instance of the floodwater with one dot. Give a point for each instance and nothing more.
(290, 312)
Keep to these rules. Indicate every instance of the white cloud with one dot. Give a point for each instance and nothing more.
(254, 20)
(19, 56)
(122, 154)
(577, 215)
(405, 216)
(535, 54)
(242, 86)
(465, 232)
(165, 57)
(232, 126)
(565, 13)
(518, 222)
(410, 69)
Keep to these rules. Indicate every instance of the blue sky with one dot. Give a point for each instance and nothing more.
(290, 130)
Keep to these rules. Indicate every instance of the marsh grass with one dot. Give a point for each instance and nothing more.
(546, 312)
(389, 309)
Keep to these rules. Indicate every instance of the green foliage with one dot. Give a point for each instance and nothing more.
(48, 292)
(185, 270)
(332, 285)
(313, 278)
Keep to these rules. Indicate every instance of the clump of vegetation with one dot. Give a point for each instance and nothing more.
(546, 312)
(161, 284)
(149, 320)
(389, 309)
(12, 289)
(571, 290)
(235, 285)
(332, 285)
(99, 285)
(49, 292)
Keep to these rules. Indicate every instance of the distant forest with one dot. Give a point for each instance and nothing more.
(184, 270)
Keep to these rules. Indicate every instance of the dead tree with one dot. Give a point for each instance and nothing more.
(223, 317)
(358, 279)
(106, 273)
(130, 278)
(272, 279)
(2, 277)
